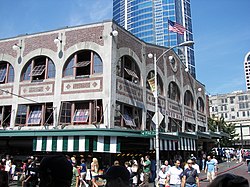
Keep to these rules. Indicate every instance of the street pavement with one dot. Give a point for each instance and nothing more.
(232, 167)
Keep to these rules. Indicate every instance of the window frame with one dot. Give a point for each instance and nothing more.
(8, 72)
(47, 71)
(88, 66)
(128, 69)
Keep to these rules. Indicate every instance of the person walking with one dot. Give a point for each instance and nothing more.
(75, 178)
(94, 171)
(203, 161)
(190, 176)
(31, 179)
(216, 168)
(162, 181)
(210, 169)
(116, 176)
(54, 171)
(174, 174)
(134, 169)
(146, 171)
(196, 166)
(167, 165)
(83, 172)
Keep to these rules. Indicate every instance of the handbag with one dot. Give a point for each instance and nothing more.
(88, 175)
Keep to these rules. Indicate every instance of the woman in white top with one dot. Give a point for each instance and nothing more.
(94, 171)
(134, 170)
(162, 176)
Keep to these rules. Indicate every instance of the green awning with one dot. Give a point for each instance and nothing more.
(203, 135)
(165, 145)
(76, 144)
(187, 144)
(73, 132)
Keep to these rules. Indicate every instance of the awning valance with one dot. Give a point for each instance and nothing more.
(183, 144)
(77, 144)
(165, 145)
(187, 144)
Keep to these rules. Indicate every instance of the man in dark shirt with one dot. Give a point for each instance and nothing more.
(55, 171)
(190, 176)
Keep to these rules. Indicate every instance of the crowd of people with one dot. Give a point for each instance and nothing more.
(66, 171)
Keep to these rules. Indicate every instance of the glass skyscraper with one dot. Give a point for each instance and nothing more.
(148, 20)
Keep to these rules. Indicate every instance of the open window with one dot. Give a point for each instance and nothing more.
(128, 116)
(151, 80)
(21, 115)
(38, 69)
(128, 69)
(81, 112)
(35, 114)
(5, 115)
(200, 105)
(189, 127)
(81, 116)
(65, 113)
(174, 125)
(173, 91)
(83, 64)
(188, 99)
(150, 126)
(6, 72)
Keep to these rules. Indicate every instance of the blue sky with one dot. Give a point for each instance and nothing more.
(221, 31)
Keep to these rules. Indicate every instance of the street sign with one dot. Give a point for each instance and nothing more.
(148, 133)
(160, 118)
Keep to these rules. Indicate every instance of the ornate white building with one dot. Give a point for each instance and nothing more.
(234, 108)
(85, 89)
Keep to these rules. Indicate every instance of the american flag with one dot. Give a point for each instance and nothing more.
(176, 27)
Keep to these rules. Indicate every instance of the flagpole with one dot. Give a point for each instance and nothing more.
(168, 35)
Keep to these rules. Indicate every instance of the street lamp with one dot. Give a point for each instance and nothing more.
(157, 149)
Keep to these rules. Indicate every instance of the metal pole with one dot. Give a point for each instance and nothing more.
(241, 135)
(157, 150)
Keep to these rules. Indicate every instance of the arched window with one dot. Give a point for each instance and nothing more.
(150, 82)
(173, 91)
(6, 72)
(82, 64)
(128, 69)
(38, 69)
(200, 104)
(188, 99)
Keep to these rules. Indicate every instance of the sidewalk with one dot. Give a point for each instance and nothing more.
(223, 168)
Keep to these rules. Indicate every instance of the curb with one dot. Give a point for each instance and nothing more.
(204, 178)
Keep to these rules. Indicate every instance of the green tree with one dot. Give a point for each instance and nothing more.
(218, 124)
